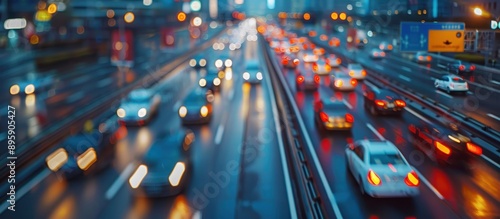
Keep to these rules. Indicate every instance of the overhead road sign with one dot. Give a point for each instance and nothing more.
(432, 37)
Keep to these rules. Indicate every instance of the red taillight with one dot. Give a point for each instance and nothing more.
(339, 61)
(382, 54)
(349, 118)
(429, 58)
(296, 61)
(379, 102)
(389, 47)
(354, 82)
(474, 149)
(375, 54)
(421, 58)
(315, 67)
(363, 72)
(412, 129)
(472, 67)
(373, 178)
(351, 73)
(316, 79)
(443, 148)
(462, 67)
(412, 179)
(323, 116)
(400, 103)
(300, 79)
(285, 61)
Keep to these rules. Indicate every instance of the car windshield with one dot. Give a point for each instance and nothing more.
(335, 108)
(386, 159)
(355, 66)
(139, 96)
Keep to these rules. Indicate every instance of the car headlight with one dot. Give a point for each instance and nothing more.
(246, 76)
(216, 81)
(192, 62)
(29, 89)
(218, 63)
(203, 62)
(86, 159)
(259, 76)
(176, 175)
(202, 82)
(183, 111)
(14, 89)
(57, 159)
(204, 111)
(139, 174)
(142, 112)
(121, 113)
(228, 63)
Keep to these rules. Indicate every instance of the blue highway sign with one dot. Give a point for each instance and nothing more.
(415, 36)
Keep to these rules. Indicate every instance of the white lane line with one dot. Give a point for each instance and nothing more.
(371, 85)
(105, 82)
(196, 215)
(469, 92)
(441, 65)
(118, 183)
(493, 116)
(379, 67)
(375, 131)
(218, 134)
(491, 161)
(177, 105)
(404, 78)
(428, 184)
(417, 115)
(284, 163)
(74, 97)
(495, 82)
(30, 185)
(231, 94)
(347, 103)
(3, 136)
(444, 94)
(406, 69)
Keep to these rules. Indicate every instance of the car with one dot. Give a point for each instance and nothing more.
(334, 42)
(86, 152)
(343, 82)
(461, 67)
(252, 73)
(319, 51)
(361, 43)
(381, 170)
(223, 62)
(290, 61)
(422, 57)
(333, 60)
(385, 46)
(356, 71)
(32, 84)
(198, 61)
(309, 57)
(444, 145)
(383, 101)
(196, 108)
(211, 79)
(451, 83)
(320, 67)
(377, 54)
(333, 115)
(307, 81)
(139, 107)
(166, 167)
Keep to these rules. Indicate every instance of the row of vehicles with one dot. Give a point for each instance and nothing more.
(378, 166)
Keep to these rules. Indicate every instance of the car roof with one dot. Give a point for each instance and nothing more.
(379, 146)
(354, 65)
(140, 93)
(252, 63)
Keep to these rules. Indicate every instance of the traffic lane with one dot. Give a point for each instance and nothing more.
(79, 198)
(330, 149)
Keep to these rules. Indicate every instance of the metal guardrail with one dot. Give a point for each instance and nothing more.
(36, 147)
(310, 185)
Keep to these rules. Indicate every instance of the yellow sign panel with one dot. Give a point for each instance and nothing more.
(446, 41)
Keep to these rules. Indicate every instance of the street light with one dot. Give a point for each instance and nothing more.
(478, 11)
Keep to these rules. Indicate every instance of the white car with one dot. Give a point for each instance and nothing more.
(451, 83)
(320, 67)
(310, 57)
(252, 73)
(377, 54)
(138, 108)
(343, 82)
(356, 71)
(381, 170)
(333, 60)
(31, 85)
(385, 46)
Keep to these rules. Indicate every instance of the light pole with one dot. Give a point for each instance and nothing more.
(479, 12)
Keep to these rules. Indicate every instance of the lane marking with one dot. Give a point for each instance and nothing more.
(219, 133)
(372, 86)
(493, 116)
(196, 215)
(231, 94)
(495, 82)
(469, 92)
(177, 105)
(74, 97)
(428, 184)
(491, 161)
(406, 69)
(417, 115)
(375, 131)
(105, 82)
(404, 78)
(24, 190)
(3, 136)
(441, 65)
(379, 67)
(284, 165)
(444, 94)
(118, 183)
(347, 103)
